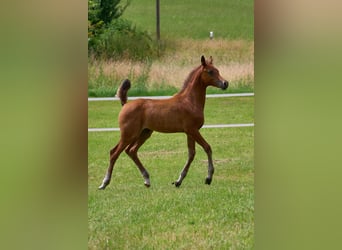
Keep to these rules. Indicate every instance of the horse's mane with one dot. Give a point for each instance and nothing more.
(189, 78)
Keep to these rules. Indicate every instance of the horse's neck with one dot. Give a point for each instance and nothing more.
(195, 93)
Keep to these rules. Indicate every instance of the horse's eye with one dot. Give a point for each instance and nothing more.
(210, 72)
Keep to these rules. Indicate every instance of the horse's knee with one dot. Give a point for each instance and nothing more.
(192, 154)
(112, 151)
(207, 149)
(131, 151)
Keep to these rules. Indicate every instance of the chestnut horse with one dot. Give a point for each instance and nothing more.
(181, 113)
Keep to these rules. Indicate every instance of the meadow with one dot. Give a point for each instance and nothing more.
(194, 19)
(185, 28)
(127, 215)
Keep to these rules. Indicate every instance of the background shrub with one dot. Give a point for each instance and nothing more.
(111, 37)
(121, 39)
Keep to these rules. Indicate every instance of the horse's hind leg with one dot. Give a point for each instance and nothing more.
(191, 156)
(114, 154)
(132, 151)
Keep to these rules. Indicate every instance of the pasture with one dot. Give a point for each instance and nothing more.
(232, 20)
(127, 215)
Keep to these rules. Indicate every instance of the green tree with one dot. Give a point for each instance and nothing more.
(110, 10)
(110, 36)
(101, 13)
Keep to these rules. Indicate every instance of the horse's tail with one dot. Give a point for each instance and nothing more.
(122, 91)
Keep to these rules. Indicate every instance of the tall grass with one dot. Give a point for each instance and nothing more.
(166, 75)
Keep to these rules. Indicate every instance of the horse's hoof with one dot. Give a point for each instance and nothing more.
(207, 181)
(105, 183)
(176, 183)
(147, 183)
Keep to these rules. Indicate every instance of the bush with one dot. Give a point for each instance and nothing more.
(121, 40)
(101, 13)
(110, 37)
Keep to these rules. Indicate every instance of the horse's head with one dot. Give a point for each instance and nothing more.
(210, 75)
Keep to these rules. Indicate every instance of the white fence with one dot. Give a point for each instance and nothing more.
(165, 97)
(204, 126)
(94, 99)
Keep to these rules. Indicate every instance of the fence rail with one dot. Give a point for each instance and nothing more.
(94, 99)
(91, 99)
(204, 126)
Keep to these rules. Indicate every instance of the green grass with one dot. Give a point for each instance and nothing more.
(128, 216)
(195, 216)
(195, 18)
(139, 89)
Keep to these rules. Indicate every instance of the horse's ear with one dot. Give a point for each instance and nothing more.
(203, 61)
(211, 60)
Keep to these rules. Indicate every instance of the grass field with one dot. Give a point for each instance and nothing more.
(195, 216)
(194, 19)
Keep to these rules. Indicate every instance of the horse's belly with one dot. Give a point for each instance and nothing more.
(165, 130)
(165, 126)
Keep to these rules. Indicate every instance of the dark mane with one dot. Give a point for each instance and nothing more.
(189, 78)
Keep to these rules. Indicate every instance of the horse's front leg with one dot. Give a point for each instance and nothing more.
(191, 156)
(201, 141)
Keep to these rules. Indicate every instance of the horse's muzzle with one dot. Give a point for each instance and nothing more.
(224, 85)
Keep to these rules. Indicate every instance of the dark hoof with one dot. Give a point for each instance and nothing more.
(147, 185)
(104, 184)
(207, 181)
(176, 183)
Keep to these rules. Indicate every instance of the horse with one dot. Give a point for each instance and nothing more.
(183, 112)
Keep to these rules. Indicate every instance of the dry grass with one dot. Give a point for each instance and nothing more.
(234, 59)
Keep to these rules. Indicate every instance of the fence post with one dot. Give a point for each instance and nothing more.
(158, 20)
